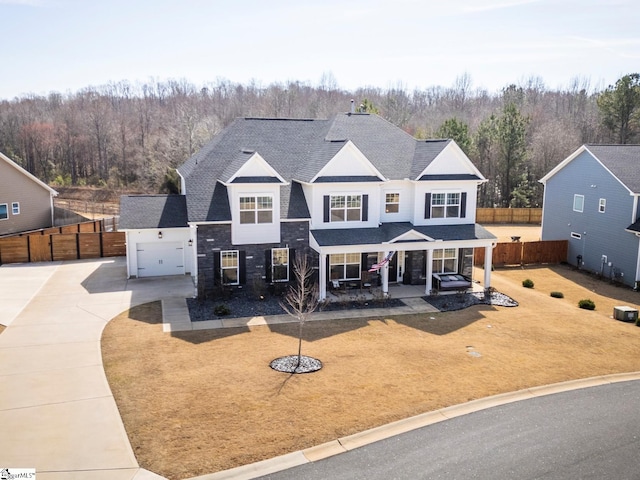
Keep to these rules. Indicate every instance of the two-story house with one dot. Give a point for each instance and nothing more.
(352, 190)
(26, 203)
(592, 200)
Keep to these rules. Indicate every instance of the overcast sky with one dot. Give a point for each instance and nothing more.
(65, 45)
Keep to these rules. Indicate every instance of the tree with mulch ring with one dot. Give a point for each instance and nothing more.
(300, 301)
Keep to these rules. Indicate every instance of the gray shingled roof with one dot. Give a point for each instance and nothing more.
(298, 150)
(152, 211)
(622, 160)
(388, 231)
(634, 227)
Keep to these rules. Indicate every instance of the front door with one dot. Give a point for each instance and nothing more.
(393, 268)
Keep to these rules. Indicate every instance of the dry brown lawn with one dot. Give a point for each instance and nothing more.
(200, 402)
(527, 233)
(2, 327)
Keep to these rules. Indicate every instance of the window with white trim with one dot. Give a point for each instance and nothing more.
(344, 266)
(578, 203)
(280, 264)
(392, 203)
(4, 211)
(445, 260)
(256, 209)
(445, 205)
(229, 267)
(346, 208)
(602, 205)
(15, 208)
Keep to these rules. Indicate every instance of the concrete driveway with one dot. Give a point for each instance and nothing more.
(57, 412)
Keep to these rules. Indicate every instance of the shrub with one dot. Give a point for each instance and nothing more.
(528, 283)
(587, 304)
(221, 310)
(557, 294)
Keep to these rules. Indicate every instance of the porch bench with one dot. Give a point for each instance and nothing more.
(447, 282)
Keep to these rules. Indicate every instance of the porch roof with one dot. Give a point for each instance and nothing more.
(387, 232)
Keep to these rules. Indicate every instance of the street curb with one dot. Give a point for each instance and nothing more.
(357, 440)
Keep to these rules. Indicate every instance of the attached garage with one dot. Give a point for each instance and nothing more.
(157, 259)
(159, 239)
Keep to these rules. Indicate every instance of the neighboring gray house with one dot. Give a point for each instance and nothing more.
(26, 203)
(353, 191)
(592, 200)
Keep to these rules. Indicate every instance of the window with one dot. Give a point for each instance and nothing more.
(15, 208)
(4, 212)
(229, 267)
(602, 205)
(346, 208)
(258, 209)
(445, 205)
(280, 264)
(445, 260)
(344, 266)
(578, 203)
(392, 203)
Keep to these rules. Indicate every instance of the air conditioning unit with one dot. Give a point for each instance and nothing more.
(625, 314)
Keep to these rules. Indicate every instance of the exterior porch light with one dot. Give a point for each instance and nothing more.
(190, 242)
(159, 234)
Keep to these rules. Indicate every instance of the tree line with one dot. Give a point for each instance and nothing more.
(130, 137)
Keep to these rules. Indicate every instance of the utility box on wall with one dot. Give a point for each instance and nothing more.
(625, 314)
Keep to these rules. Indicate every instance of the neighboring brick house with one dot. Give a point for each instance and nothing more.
(26, 203)
(591, 199)
(349, 191)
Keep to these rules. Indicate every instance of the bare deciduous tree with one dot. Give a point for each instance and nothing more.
(302, 297)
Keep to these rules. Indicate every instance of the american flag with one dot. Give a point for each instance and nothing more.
(379, 265)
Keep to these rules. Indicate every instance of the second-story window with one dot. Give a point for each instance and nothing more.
(256, 209)
(346, 208)
(392, 203)
(445, 205)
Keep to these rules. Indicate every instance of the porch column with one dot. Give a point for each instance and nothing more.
(429, 272)
(488, 261)
(323, 276)
(385, 276)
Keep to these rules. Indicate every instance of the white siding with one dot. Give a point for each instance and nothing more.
(247, 234)
(421, 188)
(372, 189)
(405, 213)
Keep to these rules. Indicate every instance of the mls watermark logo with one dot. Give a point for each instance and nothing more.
(17, 473)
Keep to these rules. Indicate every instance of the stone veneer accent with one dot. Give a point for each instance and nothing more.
(215, 238)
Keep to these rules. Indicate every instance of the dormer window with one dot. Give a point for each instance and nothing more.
(256, 209)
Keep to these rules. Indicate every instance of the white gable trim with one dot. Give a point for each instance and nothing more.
(351, 148)
(457, 151)
(256, 160)
(572, 157)
(562, 164)
(28, 175)
(411, 235)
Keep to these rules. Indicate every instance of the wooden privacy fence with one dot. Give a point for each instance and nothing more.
(525, 253)
(70, 242)
(509, 215)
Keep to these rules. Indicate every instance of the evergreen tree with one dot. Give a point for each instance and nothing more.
(619, 106)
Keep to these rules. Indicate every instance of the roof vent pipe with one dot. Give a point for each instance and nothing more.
(353, 106)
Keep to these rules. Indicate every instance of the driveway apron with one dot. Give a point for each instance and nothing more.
(57, 412)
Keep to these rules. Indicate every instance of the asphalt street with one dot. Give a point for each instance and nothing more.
(590, 433)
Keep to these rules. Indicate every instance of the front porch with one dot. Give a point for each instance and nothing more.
(396, 290)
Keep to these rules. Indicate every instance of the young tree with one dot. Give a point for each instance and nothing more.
(620, 108)
(300, 301)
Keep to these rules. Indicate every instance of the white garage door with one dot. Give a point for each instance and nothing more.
(160, 258)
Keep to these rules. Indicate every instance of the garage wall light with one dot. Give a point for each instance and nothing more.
(159, 234)
(190, 242)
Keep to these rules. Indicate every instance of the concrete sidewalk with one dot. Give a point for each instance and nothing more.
(57, 412)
